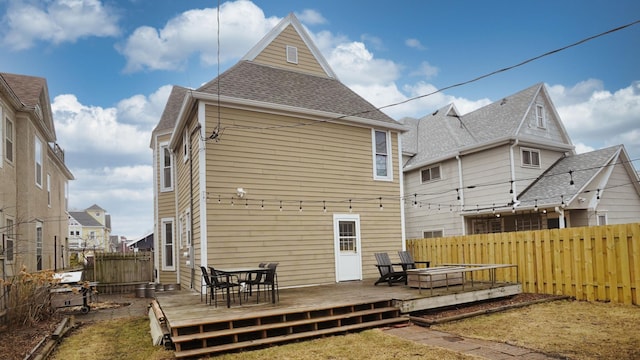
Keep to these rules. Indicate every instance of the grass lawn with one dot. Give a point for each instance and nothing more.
(574, 329)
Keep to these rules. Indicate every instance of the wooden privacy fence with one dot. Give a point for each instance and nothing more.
(120, 269)
(600, 263)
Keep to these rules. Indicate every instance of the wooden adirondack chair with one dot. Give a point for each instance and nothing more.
(387, 272)
(407, 262)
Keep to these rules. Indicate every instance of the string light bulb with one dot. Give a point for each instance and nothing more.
(350, 208)
(300, 206)
(535, 207)
(280, 205)
(261, 204)
(324, 206)
(381, 207)
(571, 182)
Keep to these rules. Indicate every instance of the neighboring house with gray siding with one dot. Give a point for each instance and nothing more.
(507, 167)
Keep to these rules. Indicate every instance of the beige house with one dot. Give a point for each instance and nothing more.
(33, 179)
(276, 160)
(90, 230)
(510, 166)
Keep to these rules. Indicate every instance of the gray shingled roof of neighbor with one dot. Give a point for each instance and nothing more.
(555, 182)
(84, 219)
(444, 133)
(256, 82)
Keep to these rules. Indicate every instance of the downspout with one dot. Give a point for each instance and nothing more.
(461, 194)
(401, 180)
(191, 247)
(514, 197)
(560, 211)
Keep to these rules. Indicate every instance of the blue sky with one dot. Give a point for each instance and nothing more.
(109, 66)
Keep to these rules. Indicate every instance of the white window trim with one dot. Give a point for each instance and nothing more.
(163, 187)
(164, 222)
(430, 167)
(9, 139)
(389, 176)
(541, 117)
(432, 230)
(531, 150)
(39, 245)
(292, 54)
(49, 190)
(185, 145)
(600, 213)
(38, 161)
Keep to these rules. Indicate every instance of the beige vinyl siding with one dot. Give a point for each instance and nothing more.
(431, 196)
(620, 200)
(166, 208)
(323, 162)
(275, 54)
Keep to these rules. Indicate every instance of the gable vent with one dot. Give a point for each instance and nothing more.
(292, 54)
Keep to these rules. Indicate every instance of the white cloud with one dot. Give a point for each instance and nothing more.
(56, 21)
(93, 129)
(425, 70)
(598, 117)
(355, 65)
(414, 43)
(142, 109)
(311, 17)
(195, 32)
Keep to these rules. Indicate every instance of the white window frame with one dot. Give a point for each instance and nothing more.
(389, 156)
(39, 160)
(432, 231)
(541, 118)
(531, 152)
(10, 241)
(49, 190)
(292, 54)
(166, 245)
(9, 136)
(164, 167)
(186, 139)
(600, 215)
(431, 178)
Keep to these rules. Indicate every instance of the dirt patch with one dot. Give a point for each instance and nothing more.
(17, 342)
(439, 315)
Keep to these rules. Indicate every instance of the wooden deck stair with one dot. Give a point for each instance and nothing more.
(262, 329)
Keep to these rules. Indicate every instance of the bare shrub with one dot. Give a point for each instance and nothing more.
(28, 298)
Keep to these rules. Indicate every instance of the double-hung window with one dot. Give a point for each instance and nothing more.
(8, 140)
(38, 245)
(38, 157)
(382, 155)
(168, 248)
(530, 158)
(541, 120)
(9, 240)
(166, 164)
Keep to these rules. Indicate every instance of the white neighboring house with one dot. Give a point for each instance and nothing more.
(509, 166)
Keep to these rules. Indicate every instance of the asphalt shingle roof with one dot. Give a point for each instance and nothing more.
(26, 88)
(251, 81)
(84, 219)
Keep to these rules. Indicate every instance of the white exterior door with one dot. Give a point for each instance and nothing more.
(346, 230)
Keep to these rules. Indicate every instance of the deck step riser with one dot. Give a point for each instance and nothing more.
(225, 336)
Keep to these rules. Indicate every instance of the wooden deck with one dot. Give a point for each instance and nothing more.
(197, 329)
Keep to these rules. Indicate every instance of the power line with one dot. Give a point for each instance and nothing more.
(548, 53)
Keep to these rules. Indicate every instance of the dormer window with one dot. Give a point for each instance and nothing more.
(292, 54)
(541, 121)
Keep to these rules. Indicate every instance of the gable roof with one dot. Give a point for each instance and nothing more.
(445, 134)
(33, 96)
(554, 185)
(290, 20)
(84, 219)
(270, 85)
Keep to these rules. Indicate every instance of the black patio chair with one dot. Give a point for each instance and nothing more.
(224, 282)
(254, 279)
(407, 262)
(270, 281)
(208, 285)
(387, 271)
